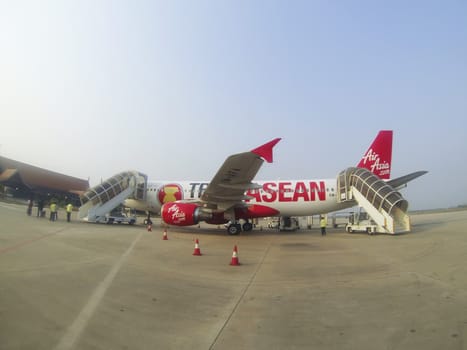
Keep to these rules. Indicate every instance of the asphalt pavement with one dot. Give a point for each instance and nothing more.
(94, 286)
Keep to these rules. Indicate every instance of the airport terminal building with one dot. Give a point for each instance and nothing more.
(33, 182)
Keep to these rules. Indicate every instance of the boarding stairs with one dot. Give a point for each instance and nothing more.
(100, 200)
(386, 207)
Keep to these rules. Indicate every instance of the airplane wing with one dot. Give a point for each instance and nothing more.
(402, 181)
(234, 177)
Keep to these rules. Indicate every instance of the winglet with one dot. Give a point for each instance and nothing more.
(265, 151)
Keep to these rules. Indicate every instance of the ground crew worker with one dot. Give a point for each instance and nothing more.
(30, 205)
(53, 211)
(69, 209)
(322, 224)
(40, 208)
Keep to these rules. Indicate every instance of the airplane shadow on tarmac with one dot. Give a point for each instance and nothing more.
(220, 231)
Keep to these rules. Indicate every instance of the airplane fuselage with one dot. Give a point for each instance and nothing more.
(289, 197)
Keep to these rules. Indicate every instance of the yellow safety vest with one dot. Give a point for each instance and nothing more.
(322, 223)
(69, 208)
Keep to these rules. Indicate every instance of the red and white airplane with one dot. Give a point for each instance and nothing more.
(231, 195)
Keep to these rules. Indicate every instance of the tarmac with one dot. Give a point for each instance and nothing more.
(94, 286)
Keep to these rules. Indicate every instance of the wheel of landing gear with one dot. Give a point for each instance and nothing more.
(233, 229)
(248, 226)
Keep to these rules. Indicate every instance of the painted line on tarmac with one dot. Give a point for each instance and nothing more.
(74, 331)
(29, 241)
(15, 208)
(227, 321)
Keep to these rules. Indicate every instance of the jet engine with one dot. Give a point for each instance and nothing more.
(187, 214)
(184, 214)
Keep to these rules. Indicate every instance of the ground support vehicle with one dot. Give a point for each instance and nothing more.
(119, 218)
(360, 221)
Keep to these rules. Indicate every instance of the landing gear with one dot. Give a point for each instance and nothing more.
(247, 226)
(234, 229)
(148, 220)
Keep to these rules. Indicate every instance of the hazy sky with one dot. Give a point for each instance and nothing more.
(171, 88)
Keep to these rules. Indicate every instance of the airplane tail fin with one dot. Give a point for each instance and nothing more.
(378, 157)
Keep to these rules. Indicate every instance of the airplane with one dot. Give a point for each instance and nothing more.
(231, 195)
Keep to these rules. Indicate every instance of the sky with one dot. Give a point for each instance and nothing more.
(171, 88)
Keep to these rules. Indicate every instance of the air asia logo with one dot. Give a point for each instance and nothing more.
(170, 193)
(376, 166)
(177, 215)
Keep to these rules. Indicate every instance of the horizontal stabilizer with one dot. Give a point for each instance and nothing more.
(403, 180)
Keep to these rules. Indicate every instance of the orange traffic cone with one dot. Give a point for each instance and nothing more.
(197, 251)
(165, 237)
(149, 228)
(234, 261)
